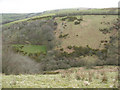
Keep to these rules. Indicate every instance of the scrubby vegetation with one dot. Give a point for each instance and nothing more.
(63, 36)
(77, 22)
(29, 43)
(42, 44)
(69, 18)
(73, 19)
(17, 64)
(35, 33)
(85, 51)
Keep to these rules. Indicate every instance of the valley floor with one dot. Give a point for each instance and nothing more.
(98, 77)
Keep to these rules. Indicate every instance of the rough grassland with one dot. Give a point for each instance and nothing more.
(99, 77)
(85, 33)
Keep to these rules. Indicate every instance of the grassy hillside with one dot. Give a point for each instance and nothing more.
(6, 18)
(10, 17)
(86, 33)
(70, 29)
(68, 48)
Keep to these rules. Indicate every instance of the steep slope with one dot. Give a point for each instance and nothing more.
(66, 40)
(86, 33)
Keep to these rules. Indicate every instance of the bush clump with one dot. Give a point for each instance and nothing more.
(69, 47)
(76, 22)
(90, 61)
(105, 30)
(63, 36)
(69, 18)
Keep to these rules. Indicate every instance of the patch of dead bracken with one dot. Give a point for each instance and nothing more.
(97, 69)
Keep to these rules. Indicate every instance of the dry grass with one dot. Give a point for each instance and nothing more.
(69, 78)
(87, 32)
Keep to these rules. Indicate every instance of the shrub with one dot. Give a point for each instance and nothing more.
(69, 18)
(17, 64)
(90, 61)
(69, 47)
(65, 54)
(112, 60)
(63, 36)
(64, 18)
(55, 23)
(77, 62)
(61, 49)
(54, 60)
(76, 22)
(38, 32)
(51, 63)
(81, 51)
(80, 19)
(105, 30)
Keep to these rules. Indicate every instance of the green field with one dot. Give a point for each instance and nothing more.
(99, 77)
(31, 48)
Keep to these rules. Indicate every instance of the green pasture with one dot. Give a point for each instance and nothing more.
(31, 48)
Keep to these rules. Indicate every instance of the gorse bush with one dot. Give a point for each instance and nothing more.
(84, 51)
(63, 36)
(54, 61)
(69, 47)
(105, 30)
(72, 18)
(76, 22)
